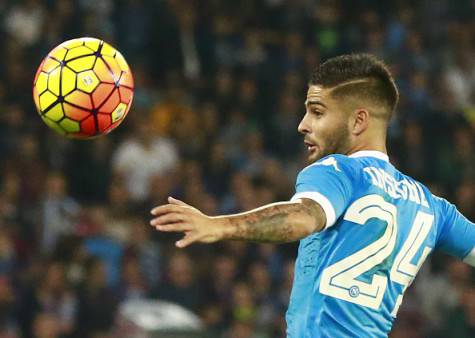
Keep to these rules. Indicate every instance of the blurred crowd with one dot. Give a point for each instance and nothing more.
(220, 87)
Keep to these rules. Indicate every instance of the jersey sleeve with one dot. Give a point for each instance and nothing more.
(329, 182)
(457, 234)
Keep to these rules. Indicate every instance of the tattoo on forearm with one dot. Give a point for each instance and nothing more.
(278, 222)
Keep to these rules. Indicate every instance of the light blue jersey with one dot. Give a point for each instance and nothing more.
(381, 226)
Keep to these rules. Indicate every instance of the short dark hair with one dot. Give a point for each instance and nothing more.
(361, 75)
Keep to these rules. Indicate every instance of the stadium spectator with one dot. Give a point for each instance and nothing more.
(59, 212)
(52, 295)
(97, 302)
(145, 253)
(180, 285)
(99, 243)
(461, 321)
(8, 309)
(141, 156)
(24, 22)
(47, 325)
(219, 86)
(460, 77)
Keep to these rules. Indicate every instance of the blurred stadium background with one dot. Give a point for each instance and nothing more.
(220, 87)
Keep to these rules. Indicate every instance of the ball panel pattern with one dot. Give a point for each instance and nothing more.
(41, 82)
(104, 121)
(125, 94)
(113, 67)
(55, 113)
(77, 52)
(69, 125)
(108, 50)
(56, 127)
(82, 64)
(93, 44)
(58, 53)
(102, 71)
(87, 81)
(68, 81)
(127, 81)
(111, 103)
(79, 99)
(54, 79)
(102, 92)
(88, 126)
(75, 113)
(50, 64)
(47, 99)
(83, 88)
(119, 112)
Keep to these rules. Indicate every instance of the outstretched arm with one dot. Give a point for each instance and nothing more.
(277, 222)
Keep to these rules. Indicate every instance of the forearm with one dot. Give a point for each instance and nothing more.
(277, 223)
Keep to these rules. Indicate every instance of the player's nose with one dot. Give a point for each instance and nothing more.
(303, 126)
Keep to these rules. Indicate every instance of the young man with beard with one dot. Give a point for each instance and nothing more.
(364, 227)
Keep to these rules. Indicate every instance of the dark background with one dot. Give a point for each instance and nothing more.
(220, 87)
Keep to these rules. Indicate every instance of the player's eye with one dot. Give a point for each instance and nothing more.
(316, 112)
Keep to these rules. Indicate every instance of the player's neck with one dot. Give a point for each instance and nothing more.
(366, 147)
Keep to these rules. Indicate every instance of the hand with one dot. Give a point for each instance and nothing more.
(177, 216)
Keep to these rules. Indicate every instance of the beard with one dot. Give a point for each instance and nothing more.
(336, 142)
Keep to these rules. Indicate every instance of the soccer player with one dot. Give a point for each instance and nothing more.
(364, 227)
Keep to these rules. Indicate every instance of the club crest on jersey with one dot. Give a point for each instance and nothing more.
(329, 162)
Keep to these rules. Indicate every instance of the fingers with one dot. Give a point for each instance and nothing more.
(174, 227)
(175, 201)
(177, 216)
(172, 217)
(171, 207)
(165, 209)
(187, 240)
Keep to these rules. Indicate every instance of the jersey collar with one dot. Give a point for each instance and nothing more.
(371, 153)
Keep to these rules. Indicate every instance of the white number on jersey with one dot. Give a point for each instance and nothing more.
(339, 280)
(403, 271)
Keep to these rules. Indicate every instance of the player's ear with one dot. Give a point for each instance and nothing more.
(360, 121)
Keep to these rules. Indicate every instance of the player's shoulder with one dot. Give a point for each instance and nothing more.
(441, 203)
(337, 163)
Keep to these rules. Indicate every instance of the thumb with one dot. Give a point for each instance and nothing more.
(172, 200)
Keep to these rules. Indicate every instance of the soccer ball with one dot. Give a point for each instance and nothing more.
(83, 88)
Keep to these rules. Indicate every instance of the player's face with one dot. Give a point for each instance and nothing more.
(325, 126)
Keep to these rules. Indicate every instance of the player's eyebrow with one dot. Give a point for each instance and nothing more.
(316, 102)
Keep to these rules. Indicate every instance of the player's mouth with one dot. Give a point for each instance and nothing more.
(311, 147)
